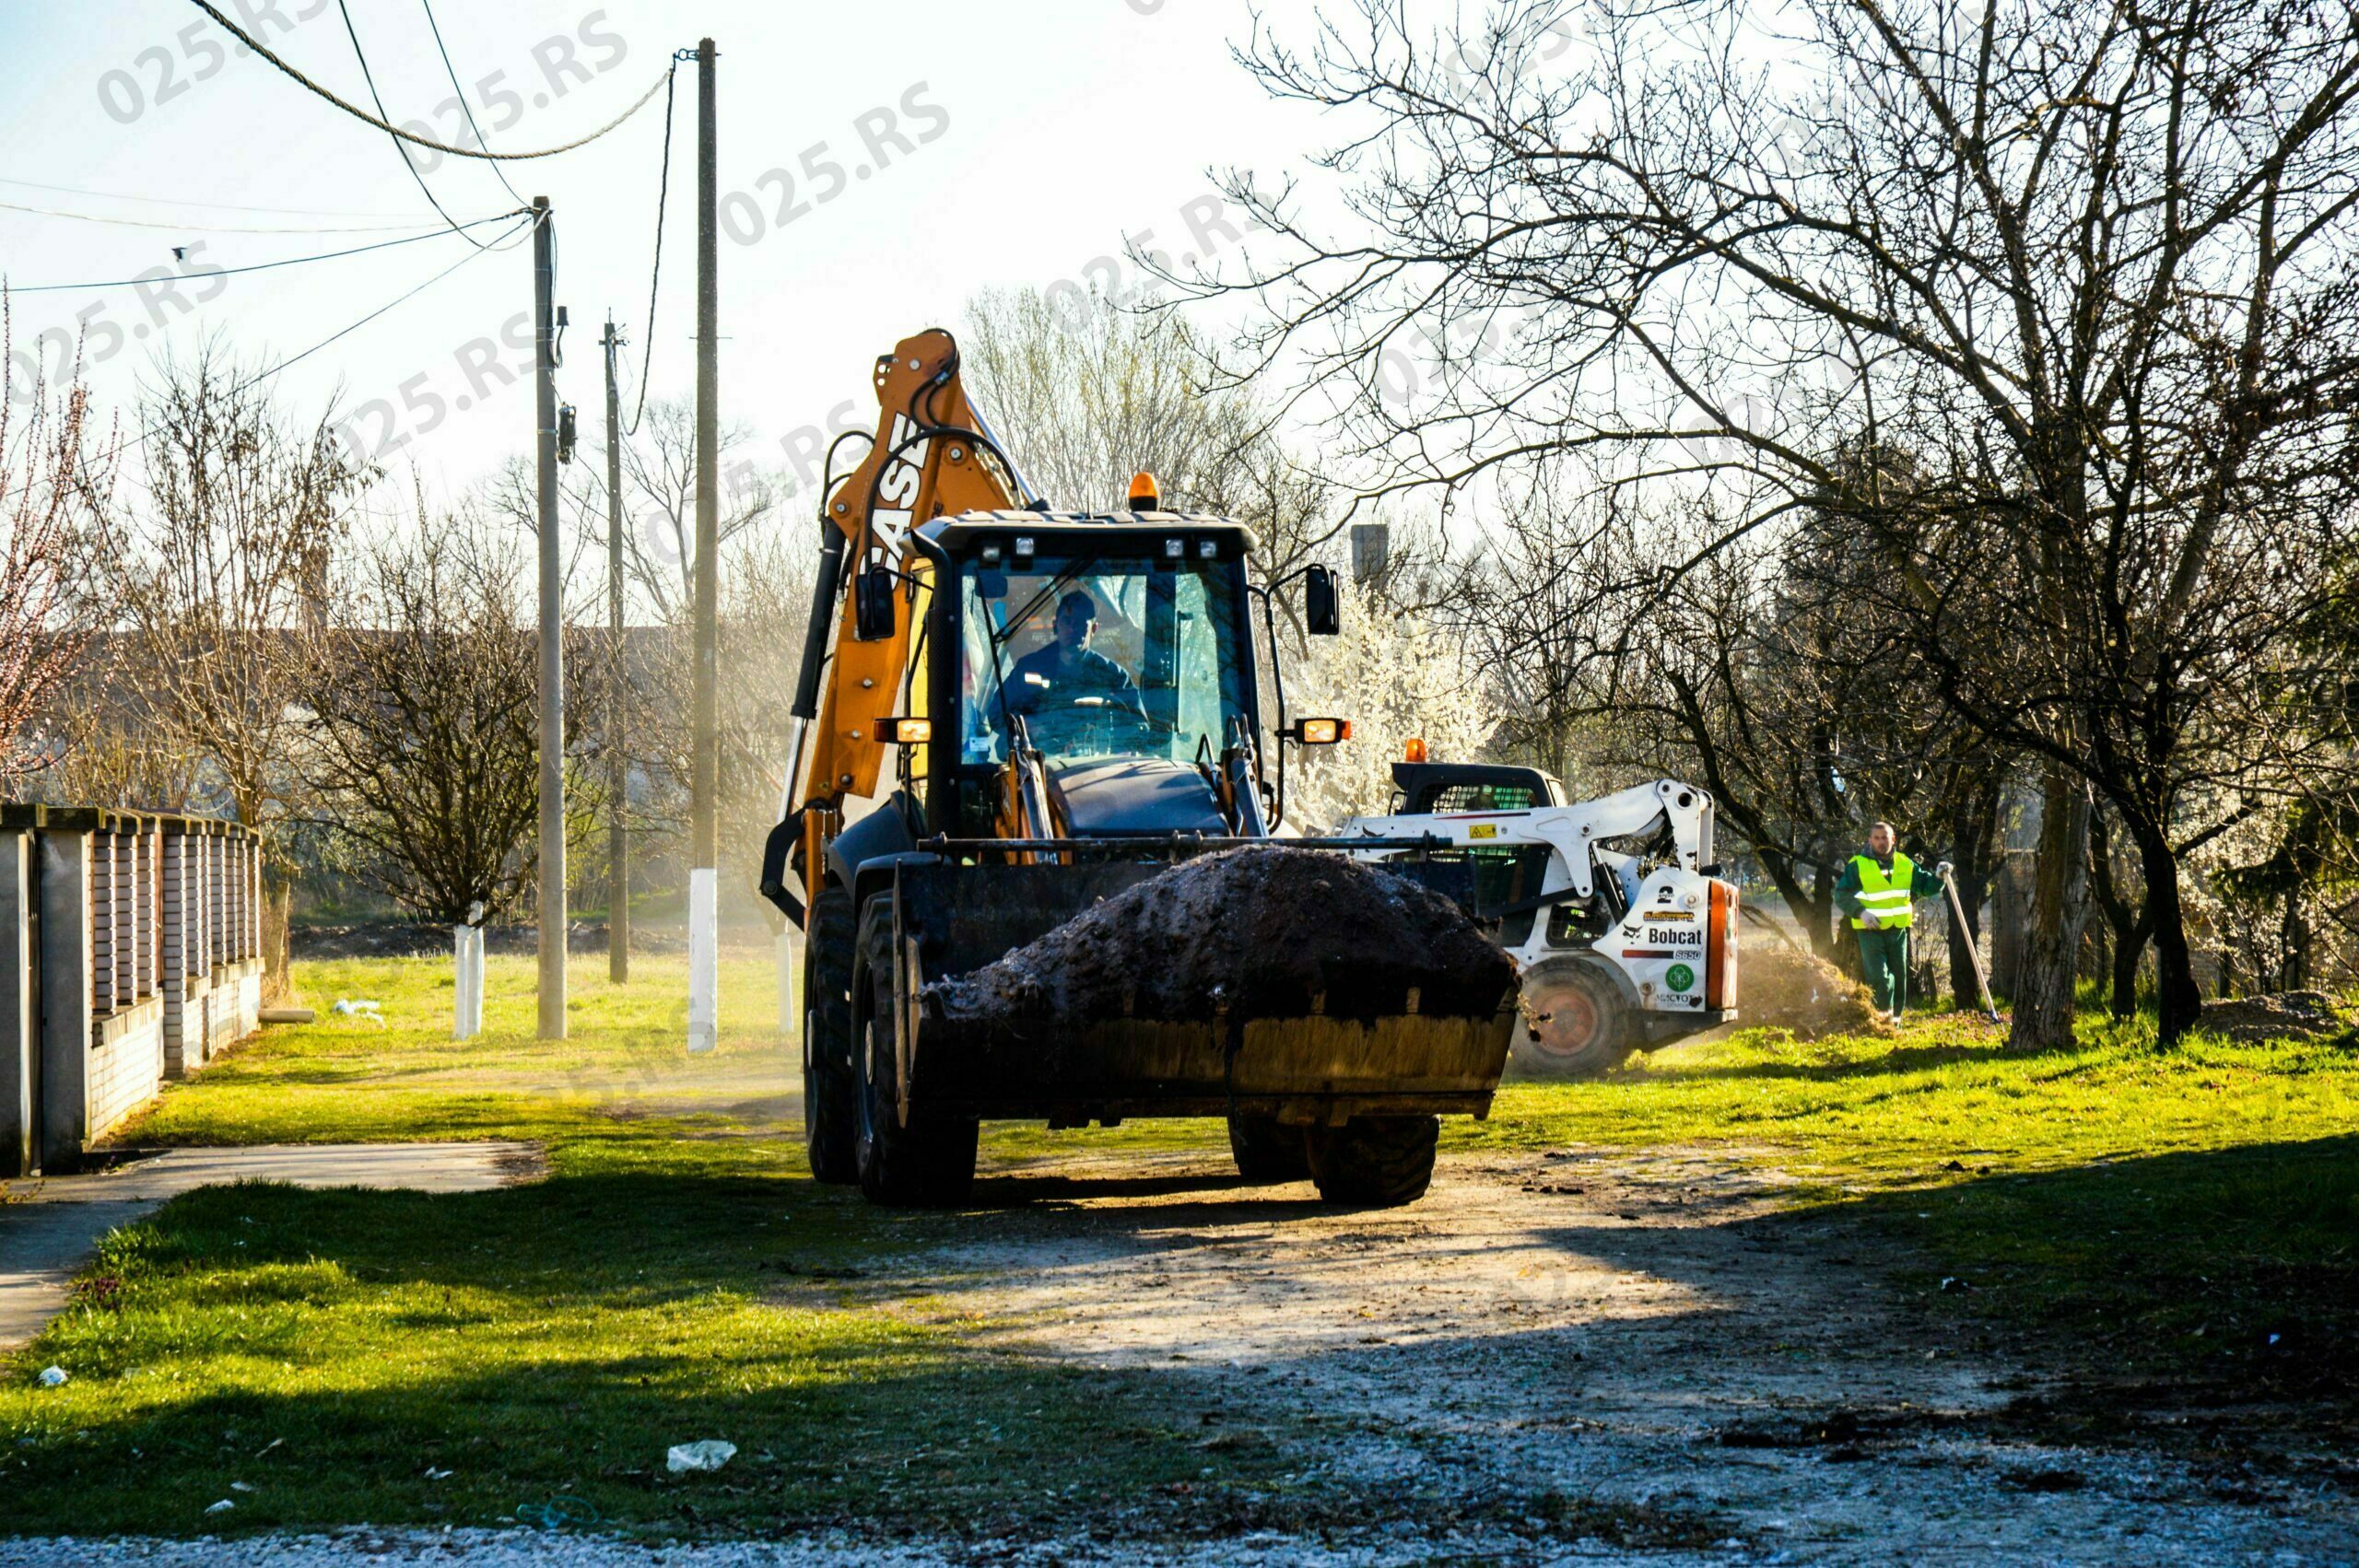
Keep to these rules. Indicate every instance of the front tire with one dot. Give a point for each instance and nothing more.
(830, 1118)
(1374, 1162)
(1266, 1149)
(1573, 1023)
(930, 1163)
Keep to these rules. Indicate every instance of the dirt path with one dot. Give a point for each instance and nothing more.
(1641, 1331)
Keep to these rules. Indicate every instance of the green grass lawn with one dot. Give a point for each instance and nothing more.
(468, 1359)
(2187, 1218)
(2151, 1215)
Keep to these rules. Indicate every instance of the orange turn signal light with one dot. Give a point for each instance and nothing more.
(911, 731)
(1415, 751)
(1146, 496)
(1322, 732)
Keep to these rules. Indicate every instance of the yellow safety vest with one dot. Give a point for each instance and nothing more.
(1886, 895)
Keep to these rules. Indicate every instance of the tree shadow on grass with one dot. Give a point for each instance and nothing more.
(2190, 1276)
(1900, 1056)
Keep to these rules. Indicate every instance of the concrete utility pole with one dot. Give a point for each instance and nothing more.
(704, 959)
(552, 738)
(618, 767)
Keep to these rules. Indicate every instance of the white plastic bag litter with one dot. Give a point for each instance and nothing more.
(709, 1454)
(51, 1376)
(221, 1507)
(364, 1007)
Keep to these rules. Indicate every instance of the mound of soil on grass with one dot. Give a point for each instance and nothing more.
(1782, 986)
(2249, 1020)
(1261, 931)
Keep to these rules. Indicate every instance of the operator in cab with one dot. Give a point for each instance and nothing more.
(1069, 673)
(1876, 890)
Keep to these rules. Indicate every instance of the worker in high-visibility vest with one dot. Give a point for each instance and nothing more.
(1875, 891)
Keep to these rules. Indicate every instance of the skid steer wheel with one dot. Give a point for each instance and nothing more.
(1574, 1022)
(830, 1116)
(1267, 1150)
(1374, 1162)
(931, 1162)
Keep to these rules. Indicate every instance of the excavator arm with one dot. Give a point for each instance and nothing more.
(930, 457)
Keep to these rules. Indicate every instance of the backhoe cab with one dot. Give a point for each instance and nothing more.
(1006, 716)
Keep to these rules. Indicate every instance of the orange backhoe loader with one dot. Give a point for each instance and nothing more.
(1009, 715)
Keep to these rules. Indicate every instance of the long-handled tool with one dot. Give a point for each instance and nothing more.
(1973, 953)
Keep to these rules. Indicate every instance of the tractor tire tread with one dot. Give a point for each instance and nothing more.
(930, 1164)
(1267, 1150)
(1374, 1162)
(830, 1118)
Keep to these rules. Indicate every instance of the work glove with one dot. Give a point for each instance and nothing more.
(1871, 919)
(1945, 871)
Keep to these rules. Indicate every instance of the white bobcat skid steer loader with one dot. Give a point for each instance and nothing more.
(1624, 936)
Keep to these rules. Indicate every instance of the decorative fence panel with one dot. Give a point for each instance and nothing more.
(129, 953)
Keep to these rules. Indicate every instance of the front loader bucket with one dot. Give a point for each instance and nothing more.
(1281, 999)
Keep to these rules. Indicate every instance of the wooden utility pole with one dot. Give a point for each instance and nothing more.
(617, 765)
(704, 961)
(552, 736)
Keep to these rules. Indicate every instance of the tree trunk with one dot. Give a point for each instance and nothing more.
(277, 905)
(2046, 975)
(1821, 923)
(1973, 831)
(2179, 1002)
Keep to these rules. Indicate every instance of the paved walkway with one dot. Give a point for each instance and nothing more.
(48, 1227)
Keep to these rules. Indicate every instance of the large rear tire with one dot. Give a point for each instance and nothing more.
(1374, 1162)
(1266, 1149)
(930, 1163)
(1574, 1022)
(830, 1116)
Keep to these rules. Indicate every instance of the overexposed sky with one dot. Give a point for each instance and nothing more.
(1038, 136)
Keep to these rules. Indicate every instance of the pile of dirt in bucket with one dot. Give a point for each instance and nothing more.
(1781, 985)
(1263, 931)
(2281, 1016)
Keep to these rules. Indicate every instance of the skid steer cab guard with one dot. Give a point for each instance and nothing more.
(1624, 936)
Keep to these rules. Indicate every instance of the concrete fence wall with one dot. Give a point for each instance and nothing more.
(130, 952)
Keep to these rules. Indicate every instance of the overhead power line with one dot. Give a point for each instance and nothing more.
(655, 274)
(243, 36)
(183, 202)
(265, 266)
(293, 359)
(205, 227)
(399, 151)
(460, 93)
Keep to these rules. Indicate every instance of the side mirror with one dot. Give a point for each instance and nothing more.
(1318, 732)
(872, 604)
(1321, 610)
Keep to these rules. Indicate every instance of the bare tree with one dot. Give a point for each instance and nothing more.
(423, 702)
(765, 595)
(1086, 394)
(215, 574)
(53, 467)
(658, 505)
(2095, 268)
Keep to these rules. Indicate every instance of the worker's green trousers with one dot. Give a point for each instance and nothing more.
(1884, 964)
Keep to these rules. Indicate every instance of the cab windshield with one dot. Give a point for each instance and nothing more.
(1099, 656)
